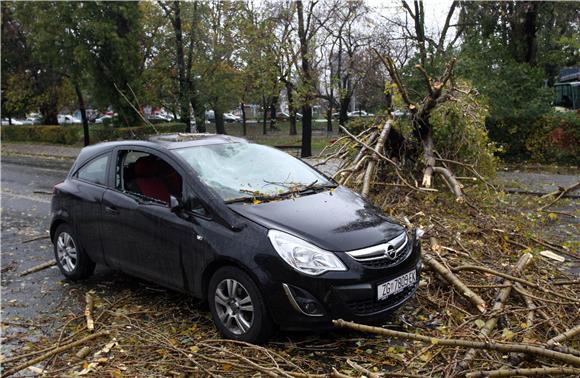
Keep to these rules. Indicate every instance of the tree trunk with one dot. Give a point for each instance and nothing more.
(184, 98)
(219, 122)
(273, 113)
(265, 115)
(307, 82)
(343, 116)
(291, 110)
(306, 131)
(49, 111)
(424, 130)
(329, 118)
(199, 113)
(530, 29)
(81, 101)
(244, 126)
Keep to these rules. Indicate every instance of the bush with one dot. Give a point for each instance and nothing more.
(555, 138)
(44, 134)
(459, 134)
(73, 134)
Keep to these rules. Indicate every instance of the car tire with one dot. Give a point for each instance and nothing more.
(71, 259)
(230, 310)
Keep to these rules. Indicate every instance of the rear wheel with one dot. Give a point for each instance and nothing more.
(72, 261)
(237, 306)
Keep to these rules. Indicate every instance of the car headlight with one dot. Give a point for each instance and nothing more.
(303, 256)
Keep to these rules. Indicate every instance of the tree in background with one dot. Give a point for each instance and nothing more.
(184, 59)
(511, 52)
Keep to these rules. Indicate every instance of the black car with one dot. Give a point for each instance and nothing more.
(266, 239)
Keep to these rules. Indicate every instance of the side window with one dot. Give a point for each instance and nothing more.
(147, 175)
(94, 171)
(192, 203)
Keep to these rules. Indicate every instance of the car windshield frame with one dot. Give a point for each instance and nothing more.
(301, 178)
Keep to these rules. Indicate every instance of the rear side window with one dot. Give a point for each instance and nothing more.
(94, 171)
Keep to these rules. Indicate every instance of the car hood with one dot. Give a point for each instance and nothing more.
(337, 220)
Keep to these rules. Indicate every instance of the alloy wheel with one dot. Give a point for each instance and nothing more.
(66, 251)
(234, 306)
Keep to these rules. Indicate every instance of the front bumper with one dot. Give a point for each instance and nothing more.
(350, 295)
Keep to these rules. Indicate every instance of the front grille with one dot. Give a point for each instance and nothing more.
(378, 256)
(371, 306)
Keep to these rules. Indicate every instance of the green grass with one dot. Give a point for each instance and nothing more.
(281, 135)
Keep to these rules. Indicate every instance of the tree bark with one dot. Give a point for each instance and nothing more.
(81, 100)
(343, 112)
(273, 113)
(264, 115)
(184, 98)
(291, 109)
(329, 118)
(307, 82)
(244, 126)
(306, 131)
(219, 122)
(371, 165)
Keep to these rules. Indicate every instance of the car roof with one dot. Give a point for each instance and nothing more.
(161, 141)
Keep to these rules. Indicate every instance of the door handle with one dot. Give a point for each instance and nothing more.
(198, 236)
(112, 210)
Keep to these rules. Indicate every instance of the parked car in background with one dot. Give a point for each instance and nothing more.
(17, 122)
(159, 118)
(359, 113)
(231, 118)
(285, 116)
(266, 239)
(103, 118)
(67, 119)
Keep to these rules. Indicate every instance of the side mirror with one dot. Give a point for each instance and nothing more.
(174, 204)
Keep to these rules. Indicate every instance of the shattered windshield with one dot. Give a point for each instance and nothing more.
(240, 171)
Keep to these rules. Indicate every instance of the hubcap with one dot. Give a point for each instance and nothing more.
(234, 306)
(66, 251)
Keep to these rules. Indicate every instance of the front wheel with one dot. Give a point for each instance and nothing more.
(237, 306)
(72, 261)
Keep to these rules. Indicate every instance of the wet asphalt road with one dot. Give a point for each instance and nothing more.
(32, 305)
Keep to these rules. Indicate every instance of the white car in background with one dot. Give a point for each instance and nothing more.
(67, 119)
(16, 122)
(230, 117)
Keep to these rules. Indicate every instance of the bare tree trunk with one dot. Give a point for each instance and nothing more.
(306, 131)
(264, 115)
(371, 165)
(244, 126)
(81, 101)
(307, 81)
(273, 113)
(199, 113)
(329, 118)
(343, 112)
(183, 85)
(291, 109)
(428, 153)
(219, 122)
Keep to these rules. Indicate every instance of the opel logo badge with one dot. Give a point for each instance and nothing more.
(390, 252)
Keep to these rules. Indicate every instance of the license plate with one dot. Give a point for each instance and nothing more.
(396, 285)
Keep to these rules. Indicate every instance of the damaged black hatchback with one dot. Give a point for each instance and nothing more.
(266, 239)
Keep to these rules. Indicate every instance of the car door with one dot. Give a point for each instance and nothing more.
(141, 234)
(88, 185)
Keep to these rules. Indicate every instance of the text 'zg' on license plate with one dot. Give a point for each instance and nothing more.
(396, 285)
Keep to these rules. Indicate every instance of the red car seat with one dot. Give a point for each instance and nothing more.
(148, 180)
